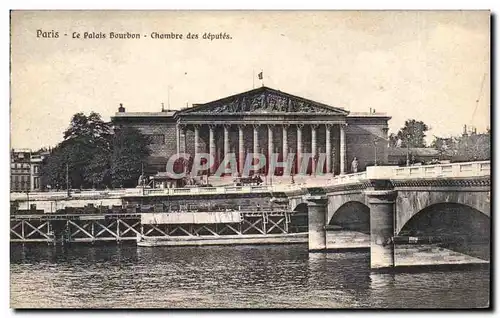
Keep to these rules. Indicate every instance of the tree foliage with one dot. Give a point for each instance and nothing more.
(467, 147)
(88, 151)
(130, 150)
(412, 134)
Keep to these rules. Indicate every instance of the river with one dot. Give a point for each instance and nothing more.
(273, 276)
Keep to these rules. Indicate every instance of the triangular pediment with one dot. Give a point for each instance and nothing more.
(263, 100)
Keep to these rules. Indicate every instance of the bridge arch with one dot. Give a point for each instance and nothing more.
(336, 201)
(295, 202)
(299, 220)
(461, 227)
(410, 203)
(301, 208)
(352, 215)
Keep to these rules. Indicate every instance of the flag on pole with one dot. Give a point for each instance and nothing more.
(260, 76)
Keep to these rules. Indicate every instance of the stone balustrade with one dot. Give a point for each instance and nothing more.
(452, 170)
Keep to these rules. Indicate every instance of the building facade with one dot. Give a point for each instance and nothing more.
(265, 121)
(20, 170)
(25, 170)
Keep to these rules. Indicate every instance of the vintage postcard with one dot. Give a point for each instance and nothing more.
(250, 159)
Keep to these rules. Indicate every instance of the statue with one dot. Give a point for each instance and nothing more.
(140, 182)
(354, 165)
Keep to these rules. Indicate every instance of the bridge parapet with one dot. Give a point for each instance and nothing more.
(348, 178)
(452, 170)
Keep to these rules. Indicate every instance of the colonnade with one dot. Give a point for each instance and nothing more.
(257, 128)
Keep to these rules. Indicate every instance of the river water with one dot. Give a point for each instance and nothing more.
(273, 276)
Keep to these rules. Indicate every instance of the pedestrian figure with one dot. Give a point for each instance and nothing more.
(354, 165)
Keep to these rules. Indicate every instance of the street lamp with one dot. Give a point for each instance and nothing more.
(28, 199)
(408, 150)
(375, 146)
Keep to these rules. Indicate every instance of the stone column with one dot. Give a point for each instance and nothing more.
(212, 148)
(285, 142)
(241, 150)
(196, 140)
(255, 142)
(270, 148)
(178, 139)
(313, 148)
(317, 214)
(328, 148)
(381, 228)
(226, 140)
(182, 138)
(342, 150)
(299, 146)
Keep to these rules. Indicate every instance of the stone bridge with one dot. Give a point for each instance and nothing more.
(386, 207)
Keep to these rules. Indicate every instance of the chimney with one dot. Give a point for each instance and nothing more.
(465, 130)
(121, 109)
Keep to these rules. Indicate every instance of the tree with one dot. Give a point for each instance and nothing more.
(467, 147)
(473, 147)
(413, 134)
(393, 140)
(98, 171)
(53, 170)
(130, 151)
(95, 156)
(445, 146)
(86, 142)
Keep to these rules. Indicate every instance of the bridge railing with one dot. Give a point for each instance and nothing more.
(61, 195)
(202, 190)
(453, 170)
(348, 178)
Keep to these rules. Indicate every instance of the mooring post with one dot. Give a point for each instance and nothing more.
(317, 208)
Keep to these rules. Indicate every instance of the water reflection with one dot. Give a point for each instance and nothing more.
(380, 280)
(226, 276)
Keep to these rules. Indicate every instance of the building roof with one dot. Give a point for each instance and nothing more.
(368, 114)
(145, 114)
(263, 100)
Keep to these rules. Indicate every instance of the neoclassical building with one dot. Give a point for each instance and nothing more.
(266, 121)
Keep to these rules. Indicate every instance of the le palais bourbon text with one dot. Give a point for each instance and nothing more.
(53, 34)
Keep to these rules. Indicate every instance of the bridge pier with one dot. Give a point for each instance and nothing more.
(317, 206)
(381, 228)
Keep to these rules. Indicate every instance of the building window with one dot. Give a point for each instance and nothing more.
(36, 183)
(35, 169)
(157, 139)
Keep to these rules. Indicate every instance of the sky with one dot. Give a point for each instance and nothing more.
(423, 65)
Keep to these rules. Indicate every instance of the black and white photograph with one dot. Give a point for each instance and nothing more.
(182, 159)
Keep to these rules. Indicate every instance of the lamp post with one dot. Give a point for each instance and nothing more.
(67, 180)
(375, 147)
(408, 150)
(28, 199)
(28, 188)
